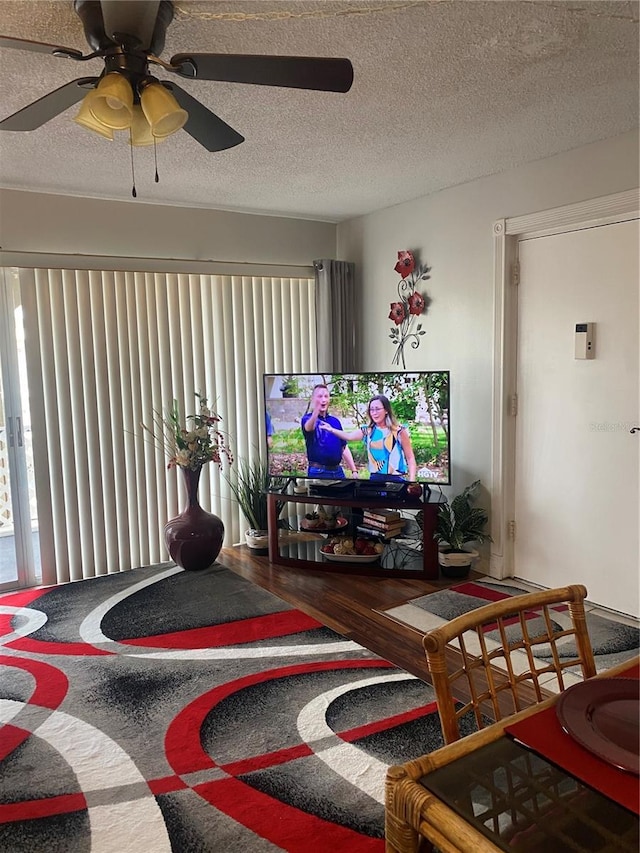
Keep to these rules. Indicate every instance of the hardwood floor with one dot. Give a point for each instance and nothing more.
(349, 604)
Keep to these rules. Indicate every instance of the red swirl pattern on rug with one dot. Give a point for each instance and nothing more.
(182, 711)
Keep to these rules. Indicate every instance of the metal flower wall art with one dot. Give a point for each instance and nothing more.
(410, 306)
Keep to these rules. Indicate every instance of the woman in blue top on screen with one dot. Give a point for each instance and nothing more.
(324, 450)
(389, 451)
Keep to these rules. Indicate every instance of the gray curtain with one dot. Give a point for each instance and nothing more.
(335, 316)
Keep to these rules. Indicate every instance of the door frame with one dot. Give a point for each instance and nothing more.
(20, 504)
(605, 210)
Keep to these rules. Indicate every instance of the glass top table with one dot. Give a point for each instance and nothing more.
(525, 804)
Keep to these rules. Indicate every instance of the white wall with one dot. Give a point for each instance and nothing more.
(43, 223)
(452, 232)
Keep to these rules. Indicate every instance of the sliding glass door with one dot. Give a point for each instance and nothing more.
(19, 543)
(107, 349)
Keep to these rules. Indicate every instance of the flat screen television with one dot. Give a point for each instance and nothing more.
(377, 414)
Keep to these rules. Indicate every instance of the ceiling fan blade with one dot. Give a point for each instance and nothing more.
(297, 72)
(44, 109)
(205, 127)
(40, 47)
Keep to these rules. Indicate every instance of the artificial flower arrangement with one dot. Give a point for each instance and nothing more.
(194, 442)
(410, 305)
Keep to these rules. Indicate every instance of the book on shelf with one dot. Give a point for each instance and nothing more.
(379, 534)
(397, 524)
(382, 514)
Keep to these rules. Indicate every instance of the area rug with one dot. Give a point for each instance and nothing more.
(193, 712)
(613, 641)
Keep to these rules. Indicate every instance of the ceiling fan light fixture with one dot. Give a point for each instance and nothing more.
(141, 129)
(163, 112)
(129, 37)
(111, 102)
(86, 119)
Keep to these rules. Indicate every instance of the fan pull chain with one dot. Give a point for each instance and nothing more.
(155, 158)
(134, 192)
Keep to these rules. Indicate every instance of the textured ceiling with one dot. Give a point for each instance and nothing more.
(444, 92)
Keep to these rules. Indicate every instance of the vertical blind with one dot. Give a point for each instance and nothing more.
(105, 350)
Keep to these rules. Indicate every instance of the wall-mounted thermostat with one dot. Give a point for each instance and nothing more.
(585, 340)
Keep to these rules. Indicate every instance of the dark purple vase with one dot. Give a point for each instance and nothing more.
(193, 538)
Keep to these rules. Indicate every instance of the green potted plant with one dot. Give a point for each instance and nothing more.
(249, 485)
(458, 524)
(290, 387)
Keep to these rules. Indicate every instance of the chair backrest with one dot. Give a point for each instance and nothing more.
(508, 655)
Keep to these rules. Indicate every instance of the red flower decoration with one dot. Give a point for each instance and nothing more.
(406, 264)
(407, 329)
(416, 303)
(397, 313)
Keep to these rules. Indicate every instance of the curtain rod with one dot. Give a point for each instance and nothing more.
(137, 264)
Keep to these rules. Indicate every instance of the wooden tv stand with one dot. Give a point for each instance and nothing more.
(300, 548)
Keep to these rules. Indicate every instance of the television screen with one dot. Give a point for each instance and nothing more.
(391, 427)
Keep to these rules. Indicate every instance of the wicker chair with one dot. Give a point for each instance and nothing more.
(487, 659)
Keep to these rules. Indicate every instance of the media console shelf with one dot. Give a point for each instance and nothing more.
(300, 548)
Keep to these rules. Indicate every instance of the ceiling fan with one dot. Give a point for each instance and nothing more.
(129, 37)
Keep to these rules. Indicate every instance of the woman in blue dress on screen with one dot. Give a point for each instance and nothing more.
(389, 451)
(325, 451)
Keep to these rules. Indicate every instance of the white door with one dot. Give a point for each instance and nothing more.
(577, 461)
